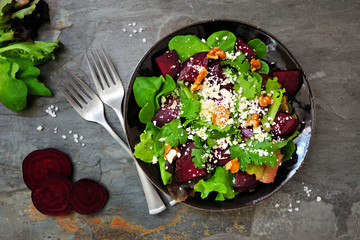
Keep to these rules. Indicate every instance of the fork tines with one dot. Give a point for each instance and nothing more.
(105, 74)
(74, 89)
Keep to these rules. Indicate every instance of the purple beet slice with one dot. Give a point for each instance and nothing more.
(185, 169)
(245, 182)
(284, 125)
(52, 196)
(219, 156)
(216, 73)
(88, 196)
(240, 45)
(42, 163)
(290, 80)
(246, 133)
(168, 63)
(168, 112)
(190, 69)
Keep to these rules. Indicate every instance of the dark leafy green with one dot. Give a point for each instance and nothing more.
(258, 46)
(224, 40)
(187, 45)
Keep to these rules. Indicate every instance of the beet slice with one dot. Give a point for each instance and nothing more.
(168, 112)
(88, 196)
(240, 45)
(290, 80)
(246, 133)
(216, 73)
(168, 63)
(190, 69)
(42, 163)
(185, 169)
(284, 125)
(219, 156)
(52, 196)
(245, 182)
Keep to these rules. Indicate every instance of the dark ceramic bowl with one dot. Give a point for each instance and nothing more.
(279, 58)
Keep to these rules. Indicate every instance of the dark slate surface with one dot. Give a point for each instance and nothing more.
(323, 36)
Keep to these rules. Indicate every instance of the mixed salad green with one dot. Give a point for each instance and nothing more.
(19, 54)
(217, 121)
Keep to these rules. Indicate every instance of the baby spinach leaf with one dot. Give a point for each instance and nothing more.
(224, 40)
(13, 92)
(145, 88)
(168, 86)
(264, 67)
(258, 46)
(186, 46)
(288, 150)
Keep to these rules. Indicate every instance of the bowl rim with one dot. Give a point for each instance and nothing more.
(305, 78)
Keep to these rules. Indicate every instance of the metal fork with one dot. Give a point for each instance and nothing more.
(90, 107)
(109, 87)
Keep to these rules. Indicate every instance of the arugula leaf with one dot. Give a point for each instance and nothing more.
(224, 40)
(199, 153)
(221, 182)
(186, 46)
(173, 133)
(258, 46)
(240, 64)
(189, 108)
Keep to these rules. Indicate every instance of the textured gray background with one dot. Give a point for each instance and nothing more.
(324, 37)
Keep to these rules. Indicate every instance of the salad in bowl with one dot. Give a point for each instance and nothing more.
(218, 120)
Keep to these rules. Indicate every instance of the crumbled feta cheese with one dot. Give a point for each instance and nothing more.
(39, 128)
(171, 155)
(154, 160)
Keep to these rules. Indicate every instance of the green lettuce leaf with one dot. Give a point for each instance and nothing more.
(288, 150)
(38, 52)
(273, 109)
(25, 11)
(221, 182)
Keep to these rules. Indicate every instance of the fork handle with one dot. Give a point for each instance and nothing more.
(154, 202)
